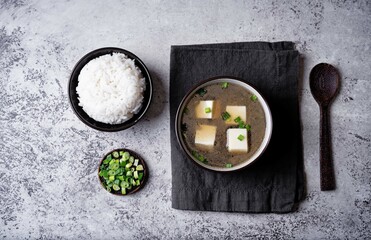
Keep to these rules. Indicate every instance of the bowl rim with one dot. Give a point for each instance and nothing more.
(141, 160)
(178, 117)
(76, 71)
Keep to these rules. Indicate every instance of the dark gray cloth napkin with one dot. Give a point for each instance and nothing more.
(275, 182)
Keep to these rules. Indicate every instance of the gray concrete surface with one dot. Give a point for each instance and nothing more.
(48, 158)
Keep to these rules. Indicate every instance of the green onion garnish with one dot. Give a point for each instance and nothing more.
(248, 127)
(115, 154)
(140, 176)
(253, 98)
(139, 167)
(126, 156)
(225, 85)
(135, 174)
(136, 162)
(228, 165)
(207, 110)
(237, 120)
(199, 156)
(240, 137)
(120, 172)
(225, 116)
(201, 92)
(111, 178)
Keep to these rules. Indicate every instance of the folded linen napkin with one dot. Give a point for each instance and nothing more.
(275, 182)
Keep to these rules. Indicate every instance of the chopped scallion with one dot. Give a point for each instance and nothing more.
(225, 116)
(115, 154)
(207, 110)
(237, 119)
(254, 98)
(115, 187)
(120, 172)
(228, 165)
(225, 85)
(111, 178)
(139, 167)
(135, 175)
(121, 178)
(128, 165)
(136, 162)
(240, 137)
(124, 184)
(140, 176)
(201, 92)
(199, 156)
(126, 156)
(133, 182)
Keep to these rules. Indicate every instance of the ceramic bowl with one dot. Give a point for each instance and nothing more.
(73, 96)
(242, 84)
(141, 161)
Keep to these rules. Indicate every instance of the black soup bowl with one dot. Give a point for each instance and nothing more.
(73, 96)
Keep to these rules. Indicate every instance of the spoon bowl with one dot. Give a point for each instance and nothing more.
(325, 84)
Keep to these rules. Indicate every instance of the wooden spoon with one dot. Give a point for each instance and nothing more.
(324, 85)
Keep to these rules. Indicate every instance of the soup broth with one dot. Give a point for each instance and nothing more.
(205, 124)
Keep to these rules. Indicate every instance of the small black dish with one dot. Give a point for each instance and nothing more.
(141, 161)
(83, 116)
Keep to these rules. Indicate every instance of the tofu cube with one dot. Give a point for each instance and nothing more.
(237, 140)
(236, 111)
(204, 109)
(205, 136)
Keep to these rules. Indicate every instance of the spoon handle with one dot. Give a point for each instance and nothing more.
(326, 165)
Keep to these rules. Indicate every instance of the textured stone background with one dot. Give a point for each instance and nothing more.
(48, 165)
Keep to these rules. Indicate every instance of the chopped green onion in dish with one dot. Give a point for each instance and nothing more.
(225, 116)
(201, 92)
(248, 127)
(115, 154)
(228, 165)
(207, 110)
(136, 162)
(199, 157)
(254, 98)
(237, 119)
(225, 85)
(121, 172)
(240, 137)
(126, 156)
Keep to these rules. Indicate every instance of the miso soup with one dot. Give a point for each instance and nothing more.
(223, 124)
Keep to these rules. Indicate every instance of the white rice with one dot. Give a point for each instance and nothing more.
(110, 88)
